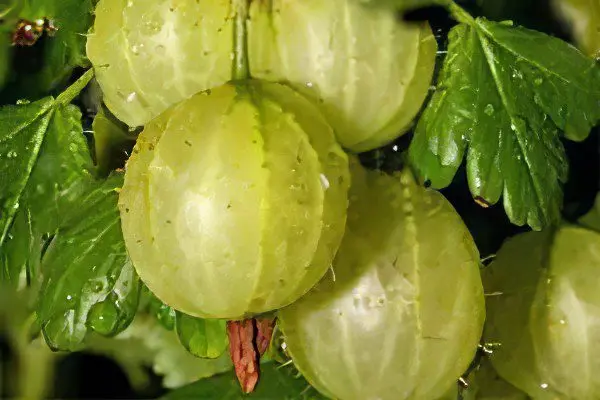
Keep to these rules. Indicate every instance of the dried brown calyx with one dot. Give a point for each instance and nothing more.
(249, 339)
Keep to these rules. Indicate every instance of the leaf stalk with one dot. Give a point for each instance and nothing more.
(73, 91)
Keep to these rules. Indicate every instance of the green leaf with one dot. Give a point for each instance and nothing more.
(65, 50)
(276, 382)
(503, 96)
(583, 16)
(89, 281)
(44, 165)
(205, 338)
(110, 137)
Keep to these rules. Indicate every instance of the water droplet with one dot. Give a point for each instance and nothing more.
(130, 3)
(23, 101)
(135, 49)
(513, 127)
(544, 386)
(69, 297)
(152, 23)
(489, 110)
(324, 182)
(11, 154)
(98, 286)
(160, 49)
(131, 97)
(538, 81)
(562, 112)
(309, 84)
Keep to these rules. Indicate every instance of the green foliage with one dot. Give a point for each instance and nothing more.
(61, 227)
(89, 281)
(503, 97)
(276, 382)
(45, 164)
(204, 338)
(63, 51)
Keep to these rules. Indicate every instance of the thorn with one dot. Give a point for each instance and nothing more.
(285, 364)
(491, 257)
(481, 201)
(493, 294)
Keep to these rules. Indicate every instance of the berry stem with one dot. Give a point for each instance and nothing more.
(241, 70)
(458, 13)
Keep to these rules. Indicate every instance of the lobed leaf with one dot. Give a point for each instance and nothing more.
(504, 95)
(44, 165)
(89, 281)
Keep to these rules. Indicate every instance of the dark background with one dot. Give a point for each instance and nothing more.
(86, 376)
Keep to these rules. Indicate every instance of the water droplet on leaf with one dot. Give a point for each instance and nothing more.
(489, 110)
